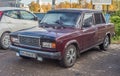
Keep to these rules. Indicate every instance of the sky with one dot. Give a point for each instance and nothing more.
(58, 1)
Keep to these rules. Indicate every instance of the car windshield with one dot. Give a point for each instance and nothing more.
(60, 18)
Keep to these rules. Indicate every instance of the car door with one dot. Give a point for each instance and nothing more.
(12, 19)
(88, 31)
(101, 27)
(28, 19)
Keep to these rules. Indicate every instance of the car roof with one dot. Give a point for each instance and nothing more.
(9, 8)
(75, 10)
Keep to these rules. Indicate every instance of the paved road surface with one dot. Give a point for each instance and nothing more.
(91, 63)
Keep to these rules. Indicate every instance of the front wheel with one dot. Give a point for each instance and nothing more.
(104, 46)
(5, 41)
(69, 57)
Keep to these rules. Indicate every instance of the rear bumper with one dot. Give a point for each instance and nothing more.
(51, 55)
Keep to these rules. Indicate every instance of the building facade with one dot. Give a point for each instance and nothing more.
(9, 3)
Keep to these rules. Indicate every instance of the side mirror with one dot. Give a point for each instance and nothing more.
(39, 20)
(36, 19)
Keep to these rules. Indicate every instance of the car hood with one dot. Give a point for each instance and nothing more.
(49, 32)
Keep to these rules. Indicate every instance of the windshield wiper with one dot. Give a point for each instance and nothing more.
(60, 23)
(44, 24)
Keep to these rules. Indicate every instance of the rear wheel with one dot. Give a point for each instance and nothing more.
(69, 57)
(5, 41)
(104, 46)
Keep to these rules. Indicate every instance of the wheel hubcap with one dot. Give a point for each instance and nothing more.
(6, 41)
(106, 42)
(71, 56)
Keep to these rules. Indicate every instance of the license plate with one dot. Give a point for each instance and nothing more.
(39, 58)
(28, 54)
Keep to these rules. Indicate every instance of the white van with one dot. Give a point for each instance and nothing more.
(14, 19)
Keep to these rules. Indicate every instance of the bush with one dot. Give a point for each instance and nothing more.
(116, 21)
(117, 13)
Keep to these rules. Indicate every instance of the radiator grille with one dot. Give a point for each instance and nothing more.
(29, 41)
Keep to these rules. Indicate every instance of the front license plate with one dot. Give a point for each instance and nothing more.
(28, 54)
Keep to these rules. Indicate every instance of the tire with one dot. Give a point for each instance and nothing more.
(69, 57)
(5, 41)
(104, 46)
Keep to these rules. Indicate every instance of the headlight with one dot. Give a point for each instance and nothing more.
(48, 45)
(14, 40)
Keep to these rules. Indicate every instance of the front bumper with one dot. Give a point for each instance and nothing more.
(51, 55)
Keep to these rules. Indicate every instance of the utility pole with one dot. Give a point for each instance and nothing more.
(53, 4)
(38, 1)
(15, 3)
(107, 9)
(70, 4)
(93, 6)
(119, 5)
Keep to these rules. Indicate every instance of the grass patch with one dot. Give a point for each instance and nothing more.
(116, 40)
(115, 18)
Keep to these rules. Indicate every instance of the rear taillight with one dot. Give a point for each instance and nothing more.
(1, 13)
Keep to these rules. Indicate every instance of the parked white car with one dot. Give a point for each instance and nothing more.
(14, 19)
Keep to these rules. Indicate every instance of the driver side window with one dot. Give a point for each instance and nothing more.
(26, 15)
(87, 20)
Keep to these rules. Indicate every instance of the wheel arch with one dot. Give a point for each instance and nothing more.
(75, 43)
(8, 31)
(4, 32)
(1, 46)
(109, 35)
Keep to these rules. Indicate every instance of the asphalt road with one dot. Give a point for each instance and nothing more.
(91, 63)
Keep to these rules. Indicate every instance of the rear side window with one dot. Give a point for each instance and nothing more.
(27, 15)
(12, 14)
(87, 20)
(99, 19)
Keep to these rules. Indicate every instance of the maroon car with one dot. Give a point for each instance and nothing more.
(63, 34)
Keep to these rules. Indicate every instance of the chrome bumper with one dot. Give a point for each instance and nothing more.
(51, 55)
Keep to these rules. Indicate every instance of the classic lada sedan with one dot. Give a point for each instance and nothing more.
(63, 34)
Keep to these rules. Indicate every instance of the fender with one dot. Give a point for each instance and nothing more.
(108, 33)
(4, 31)
(4, 28)
(73, 41)
(70, 42)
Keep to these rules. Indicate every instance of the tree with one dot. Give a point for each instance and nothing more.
(34, 7)
(79, 1)
(64, 5)
(45, 7)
